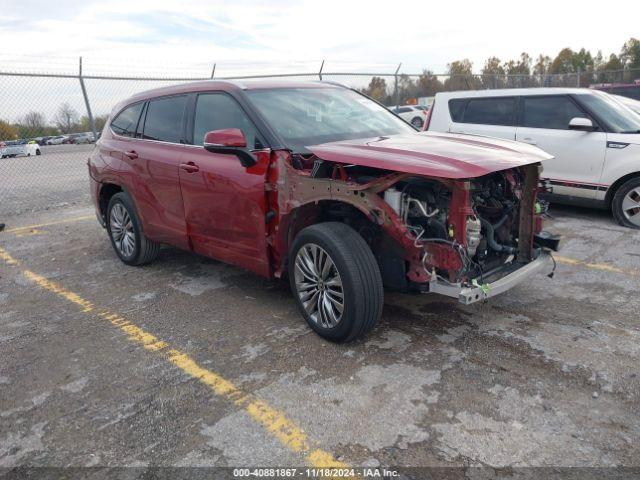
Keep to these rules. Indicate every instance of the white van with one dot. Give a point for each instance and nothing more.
(595, 139)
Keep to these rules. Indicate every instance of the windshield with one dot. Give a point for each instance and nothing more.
(309, 116)
(618, 117)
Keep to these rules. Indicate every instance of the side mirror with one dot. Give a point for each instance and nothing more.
(582, 124)
(230, 141)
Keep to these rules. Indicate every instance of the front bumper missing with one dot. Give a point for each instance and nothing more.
(469, 295)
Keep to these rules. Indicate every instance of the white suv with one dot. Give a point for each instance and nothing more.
(595, 139)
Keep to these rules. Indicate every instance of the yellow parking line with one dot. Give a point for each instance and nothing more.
(273, 421)
(57, 222)
(596, 266)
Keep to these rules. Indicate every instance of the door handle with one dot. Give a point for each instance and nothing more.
(131, 154)
(190, 167)
(530, 141)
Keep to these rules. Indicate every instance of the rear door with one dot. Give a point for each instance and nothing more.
(224, 202)
(579, 156)
(490, 116)
(153, 157)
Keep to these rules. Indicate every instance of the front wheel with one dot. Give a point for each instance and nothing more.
(336, 281)
(38, 152)
(626, 204)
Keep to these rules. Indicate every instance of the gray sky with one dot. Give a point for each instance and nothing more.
(249, 36)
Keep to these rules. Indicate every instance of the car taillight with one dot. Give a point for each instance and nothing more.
(428, 119)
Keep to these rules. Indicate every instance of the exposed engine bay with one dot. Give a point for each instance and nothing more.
(491, 227)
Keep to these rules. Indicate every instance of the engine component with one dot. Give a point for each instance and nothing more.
(474, 234)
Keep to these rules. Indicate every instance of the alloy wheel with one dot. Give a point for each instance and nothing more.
(631, 206)
(319, 286)
(122, 230)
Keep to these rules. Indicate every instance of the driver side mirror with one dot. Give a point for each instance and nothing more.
(229, 141)
(581, 124)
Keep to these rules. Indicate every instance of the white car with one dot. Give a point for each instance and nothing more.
(629, 102)
(594, 138)
(414, 114)
(56, 140)
(14, 149)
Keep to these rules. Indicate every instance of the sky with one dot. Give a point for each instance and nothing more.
(249, 36)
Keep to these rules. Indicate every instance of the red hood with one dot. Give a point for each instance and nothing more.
(433, 154)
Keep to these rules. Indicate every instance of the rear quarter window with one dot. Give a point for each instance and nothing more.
(456, 108)
(124, 124)
(490, 111)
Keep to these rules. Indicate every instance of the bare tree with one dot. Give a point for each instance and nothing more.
(66, 118)
(32, 124)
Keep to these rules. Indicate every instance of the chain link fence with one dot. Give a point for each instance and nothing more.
(62, 113)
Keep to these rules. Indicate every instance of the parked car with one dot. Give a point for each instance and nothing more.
(57, 140)
(83, 138)
(322, 185)
(414, 114)
(629, 103)
(16, 148)
(595, 140)
(629, 90)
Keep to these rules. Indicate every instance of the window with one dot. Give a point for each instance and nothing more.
(163, 121)
(456, 108)
(309, 116)
(404, 110)
(126, 121)
(217, 111)
(549, 112)
(617, 117)
(490, 111)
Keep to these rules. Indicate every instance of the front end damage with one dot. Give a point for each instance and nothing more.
(467, 238)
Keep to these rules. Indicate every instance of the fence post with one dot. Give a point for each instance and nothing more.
(320, 72)
(213, 70)
(86, 102)
(396, 91)
(578, 79)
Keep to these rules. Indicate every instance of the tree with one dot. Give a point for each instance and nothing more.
(32, 125)
(428, 84)
(630, 54)
(66, 118)
(7, 131)
(377, 90)
(85, 126)
(521, 66)
(492, 73)
(541, 67)
(614, 63)
(461, 76)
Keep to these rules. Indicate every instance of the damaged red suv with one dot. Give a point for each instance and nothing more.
(320, 184)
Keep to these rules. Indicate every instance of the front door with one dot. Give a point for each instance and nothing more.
(579, 156)
(224, 202)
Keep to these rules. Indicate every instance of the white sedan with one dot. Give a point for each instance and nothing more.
(414, 114)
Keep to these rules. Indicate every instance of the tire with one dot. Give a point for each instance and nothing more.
(417, 122)
(357, 272)
(28, 154)
(625, 205)
(38, 152)
(122, 218)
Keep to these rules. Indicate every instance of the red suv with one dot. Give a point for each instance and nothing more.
(320, 184)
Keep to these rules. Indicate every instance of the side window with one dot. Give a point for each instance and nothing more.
(404, 110)
(163, 121)
(126, 121)
(549, 112)
(490, 111)
(456, 109)
(217, 111)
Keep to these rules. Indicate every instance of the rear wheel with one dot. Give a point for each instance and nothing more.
(38, 152)
(417, 122)
(336, 281)
(127, 239)
(626, 204)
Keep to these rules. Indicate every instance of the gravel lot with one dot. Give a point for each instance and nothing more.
(545, 375)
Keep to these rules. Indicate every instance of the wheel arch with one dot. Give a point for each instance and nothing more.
(616, 185)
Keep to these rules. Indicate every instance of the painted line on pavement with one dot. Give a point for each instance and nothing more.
(272, 420)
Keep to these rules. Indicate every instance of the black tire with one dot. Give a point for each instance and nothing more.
(417, 122)
(144, 250)
(358, 270)
(618, 199)
(38, 152)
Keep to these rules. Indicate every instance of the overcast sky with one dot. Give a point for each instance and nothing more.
(272, 36)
